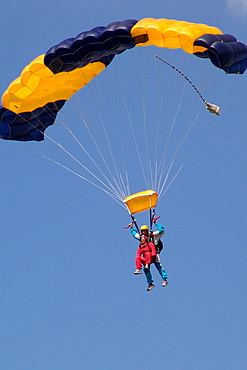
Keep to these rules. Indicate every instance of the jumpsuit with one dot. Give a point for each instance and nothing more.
(146, 254)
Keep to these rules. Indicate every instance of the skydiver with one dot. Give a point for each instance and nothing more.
(145, 255)
(156, 235)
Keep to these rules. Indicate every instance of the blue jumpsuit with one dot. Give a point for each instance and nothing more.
(156, 236)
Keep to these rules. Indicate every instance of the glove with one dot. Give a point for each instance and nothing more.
(129, 226)
(155, 219)
(153, 258)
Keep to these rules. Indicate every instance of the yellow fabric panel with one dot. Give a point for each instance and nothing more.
(38, 86)
(38, 65)
(22, 93)
(171, 34)
(14, 85)
(140, 28)
(25, 75)
(10, 93)
(189, 34)
(142, 201)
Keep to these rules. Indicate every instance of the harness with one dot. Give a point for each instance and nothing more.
(159, 245)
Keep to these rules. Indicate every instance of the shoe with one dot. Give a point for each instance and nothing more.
(150, 287)
(165, 282)
(137, 272)
(147, 266)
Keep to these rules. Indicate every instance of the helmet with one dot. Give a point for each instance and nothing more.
(144, 227)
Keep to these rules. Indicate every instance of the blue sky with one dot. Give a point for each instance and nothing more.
(70, 299)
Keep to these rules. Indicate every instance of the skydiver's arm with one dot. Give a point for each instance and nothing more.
(135, 233)
(153, 249)
(138, 253)
(160, 229)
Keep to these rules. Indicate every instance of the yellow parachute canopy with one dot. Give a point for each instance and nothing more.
(142, 201)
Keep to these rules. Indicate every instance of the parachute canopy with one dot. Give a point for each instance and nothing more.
(32, 101)
(142, 201)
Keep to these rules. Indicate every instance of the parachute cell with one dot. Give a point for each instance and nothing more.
(32, 101)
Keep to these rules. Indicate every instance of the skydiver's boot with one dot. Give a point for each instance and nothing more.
(165, 282)
(137, 272)
(150, 287)
(147, 266)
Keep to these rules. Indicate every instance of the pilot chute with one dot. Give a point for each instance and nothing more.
(142, 201)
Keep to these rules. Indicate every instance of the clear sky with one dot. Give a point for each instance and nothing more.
(69, 298)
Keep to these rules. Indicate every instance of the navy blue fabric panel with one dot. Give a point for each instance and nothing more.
(4, 130)
(7, 116)
(87, 38)
(208, 39)
(56, 49)
(238, 67)
(224, 51)
(29, 125)
(98, 44)
(227, 55)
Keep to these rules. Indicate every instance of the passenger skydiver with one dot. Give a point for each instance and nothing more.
(145, 255)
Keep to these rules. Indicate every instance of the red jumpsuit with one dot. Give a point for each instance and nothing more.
(146, 254)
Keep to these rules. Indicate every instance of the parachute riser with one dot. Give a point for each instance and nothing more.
(135, 223)
(152, 214)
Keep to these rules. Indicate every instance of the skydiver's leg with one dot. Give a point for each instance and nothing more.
(139, 261)
(147, 258)
(161, 270)
(148, 276)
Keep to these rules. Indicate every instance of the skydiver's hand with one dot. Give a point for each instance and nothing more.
(155, 219)
(153, 258)
(129, 226)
